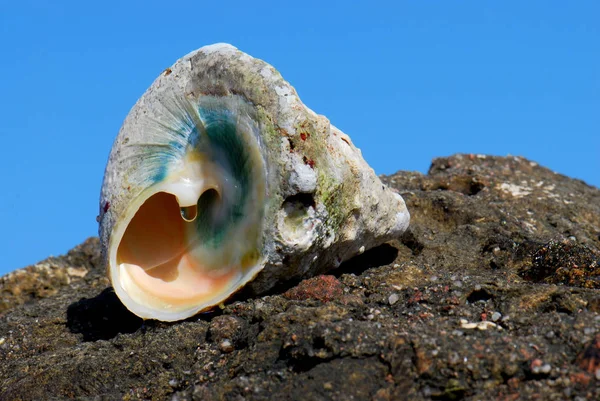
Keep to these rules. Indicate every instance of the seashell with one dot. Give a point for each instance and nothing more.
(220, 178)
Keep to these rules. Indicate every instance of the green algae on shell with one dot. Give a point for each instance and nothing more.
(221, 178)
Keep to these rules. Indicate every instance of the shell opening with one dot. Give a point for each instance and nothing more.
(193, 234)
(159, 255)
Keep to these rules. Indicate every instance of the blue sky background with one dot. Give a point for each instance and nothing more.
(407, 80)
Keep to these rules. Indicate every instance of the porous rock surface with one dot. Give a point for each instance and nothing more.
(492, 294)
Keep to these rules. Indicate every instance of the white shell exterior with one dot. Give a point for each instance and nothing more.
(322, 203)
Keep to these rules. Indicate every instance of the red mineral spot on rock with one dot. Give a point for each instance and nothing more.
(106, 207)
(580, 378)
(324, 288)
(589, 358)
(416, 297)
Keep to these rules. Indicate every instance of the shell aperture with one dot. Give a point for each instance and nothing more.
(191, 230)
(221, 178)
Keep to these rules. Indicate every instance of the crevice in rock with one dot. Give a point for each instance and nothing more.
(379, 256)
(300, 360)
(465, 185)
(481, 295)
(409, 240)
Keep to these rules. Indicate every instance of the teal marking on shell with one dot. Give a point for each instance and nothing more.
(213, 132)
(174, 151)
(227, 150)
(170, 136)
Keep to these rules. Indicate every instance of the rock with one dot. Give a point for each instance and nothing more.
(49, 276)
(502, 227)
(228, 331)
